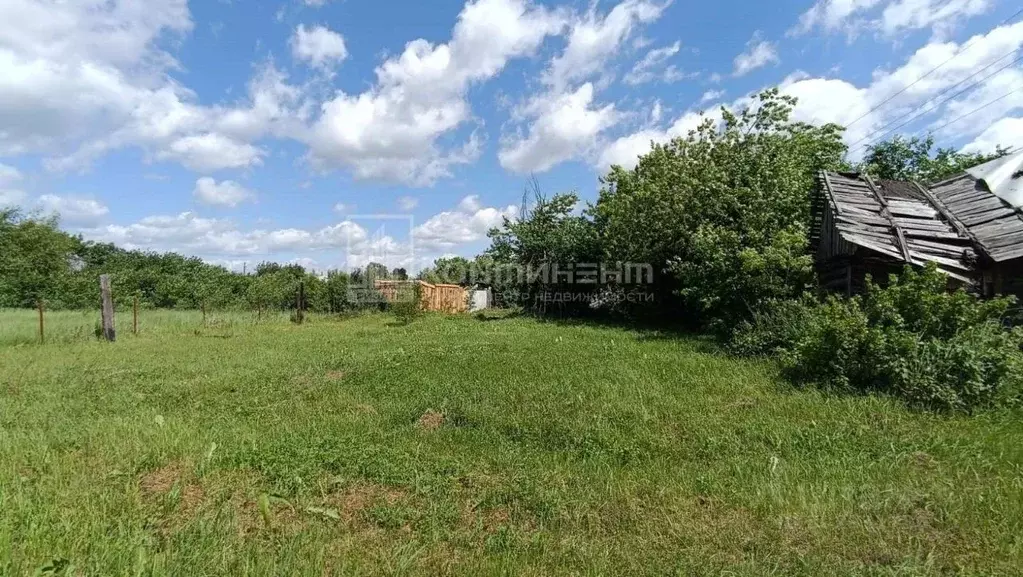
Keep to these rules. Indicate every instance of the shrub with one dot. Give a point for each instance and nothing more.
(408, 304)
(913, 339)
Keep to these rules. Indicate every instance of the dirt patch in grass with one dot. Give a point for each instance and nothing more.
(161, 480)
(174, 492)
(336, 375)
(430, 421)
(353, 500)
(489, 519)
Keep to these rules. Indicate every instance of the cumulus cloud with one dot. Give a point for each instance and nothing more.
(319, 46)
(1007, 132)
(565, 122)
(392, 130)
(711, 95)
(225, 193)
(566, 126)
(73, 210)
(593, 39)
(469, 222)
(759, 53)
(81, 79)
(889, 17)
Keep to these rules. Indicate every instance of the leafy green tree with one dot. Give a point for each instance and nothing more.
(723, 212)
(35, 258)
(902, 158)
(548, 237)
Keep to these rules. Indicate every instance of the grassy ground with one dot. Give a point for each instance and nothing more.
(462, 446)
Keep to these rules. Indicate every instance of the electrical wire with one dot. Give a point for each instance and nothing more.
(929, 72)
(918, 114)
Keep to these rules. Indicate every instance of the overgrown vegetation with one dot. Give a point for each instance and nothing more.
(408, 303)
(912, 338)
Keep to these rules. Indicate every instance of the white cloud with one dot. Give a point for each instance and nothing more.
(909, 92)
(345, 244)
(565, 122)
(212, 151)
(407, 203)
(711, 95)
(225, 193)
(594, 39)
(889, 17)
(1007, 132)
(392, 130)
(342, 207)
(468, 223)
(759, 53)
(11, 197)
(319, 46)
(73, 210)
(9, 177)
(80, 79)
(832, 14)
(566, 126)
(646, 70)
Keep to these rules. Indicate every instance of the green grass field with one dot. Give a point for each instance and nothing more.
(462, 446)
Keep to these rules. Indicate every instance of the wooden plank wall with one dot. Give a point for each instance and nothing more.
(447, 298)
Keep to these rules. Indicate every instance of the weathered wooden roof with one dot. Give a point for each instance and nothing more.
(995, 225)
(898, 220)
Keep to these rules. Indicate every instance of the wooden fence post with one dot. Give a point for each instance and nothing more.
(42, 338)
(109, 332)
(135, 316)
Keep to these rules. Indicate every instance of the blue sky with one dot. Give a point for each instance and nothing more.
(249, 130)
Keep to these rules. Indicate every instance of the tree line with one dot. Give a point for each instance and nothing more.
(40, 262)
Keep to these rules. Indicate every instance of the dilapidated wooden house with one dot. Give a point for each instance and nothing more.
(970, 226)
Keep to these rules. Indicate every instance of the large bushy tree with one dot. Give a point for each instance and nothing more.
(722, 212)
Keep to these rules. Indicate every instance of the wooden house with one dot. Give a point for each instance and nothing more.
(970, 226)
(985, 202)
(863, 226)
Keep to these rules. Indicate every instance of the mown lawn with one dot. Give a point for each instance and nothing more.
(461, 446)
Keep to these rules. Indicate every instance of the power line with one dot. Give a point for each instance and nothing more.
(916, 115)
(929, 72)
(978, 109)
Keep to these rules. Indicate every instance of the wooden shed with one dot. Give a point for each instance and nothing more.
(449, 298)
(985, 203)
(863, 226)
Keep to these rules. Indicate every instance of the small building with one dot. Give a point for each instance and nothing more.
(448, 298)
(970, 226)
(862, 227)
(985, 202)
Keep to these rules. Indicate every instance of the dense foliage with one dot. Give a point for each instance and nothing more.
(39, 262)
(408, 304)
(912, 338)
(911, 159)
